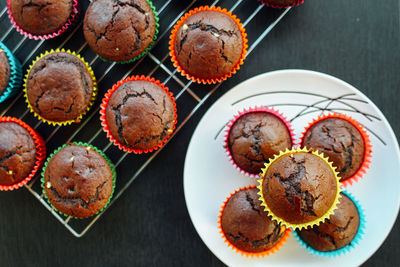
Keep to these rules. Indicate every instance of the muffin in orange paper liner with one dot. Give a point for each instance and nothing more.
(22, 152)
(254, 136)
(344, 141)
(299, 188)
(246, 228)
(208, 44)
(281, 3)
(138, 114)
(60, 87)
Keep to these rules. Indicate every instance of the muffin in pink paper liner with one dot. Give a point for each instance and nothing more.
(254, 136)
(281, 3)
(247, 228)
(22, 153)
(43, 19)
(344, 141)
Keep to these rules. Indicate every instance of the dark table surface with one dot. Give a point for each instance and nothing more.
(357, 41)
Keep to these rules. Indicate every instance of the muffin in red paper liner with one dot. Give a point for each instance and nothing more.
(138, 114)
(281, 3)
(299, 188)
(246, 228)
(254, 136)
(208, 44)
(43, 20)
(22, 152)
(344, 141)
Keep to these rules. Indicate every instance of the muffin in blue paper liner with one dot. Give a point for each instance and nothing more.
(347, 248)
(9, 66)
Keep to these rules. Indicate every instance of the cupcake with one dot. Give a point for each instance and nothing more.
(60, 87)
(247, 228)
(138, 114)
(337, 235)
(299, 188)
(343, 141)
(42, 19)
(120, 31)
(282, 3)
(10, 74)
(78, 180)
(22, 152)
(208, 44)
(254, 136)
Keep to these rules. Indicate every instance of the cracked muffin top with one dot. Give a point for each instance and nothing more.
(208, 44)
(59, 87)
(41, 16)
(255, 138)
(17, 153)
(140, 114)
(246, 225)
(78, 181)
(340, 141)
(119, 30)
(4, 71)
(338, 231)
(299, 187)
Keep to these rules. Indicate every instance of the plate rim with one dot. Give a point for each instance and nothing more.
(288, 72)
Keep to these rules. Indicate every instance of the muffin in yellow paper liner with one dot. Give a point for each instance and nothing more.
(308, 222)
(276, 247)
(173, 52)
(92, 99)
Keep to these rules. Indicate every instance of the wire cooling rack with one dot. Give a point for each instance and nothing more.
(189, 96)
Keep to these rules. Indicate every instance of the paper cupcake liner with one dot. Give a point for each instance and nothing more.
(265, 109)
(156, 31)
(268, 252)
(296, 3)
(40, 153)
(15, 79)
(367, 143)
(332, 254)
(109, 162)
(103, 118)
(174, 32)
(300, 225)
(92, 99)
(70, 22)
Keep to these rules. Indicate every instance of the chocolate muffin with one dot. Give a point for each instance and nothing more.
(338, 231)
(59, 87)
(208, 45)
(4, 71)
(340, 141)
(17, 153)
(299, 187)
(140, 114)
(245, 224)
(256, 137)
(119, 30)
(41, 16)
(78, 181)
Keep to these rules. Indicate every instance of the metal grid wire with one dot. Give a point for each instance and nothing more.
(189, 96)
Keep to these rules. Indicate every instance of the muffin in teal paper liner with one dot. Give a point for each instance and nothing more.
(121, 32)
(338, 235)
(10, 74)
(78, 180)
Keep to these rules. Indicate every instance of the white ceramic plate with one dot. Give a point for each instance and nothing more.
(301, 95)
